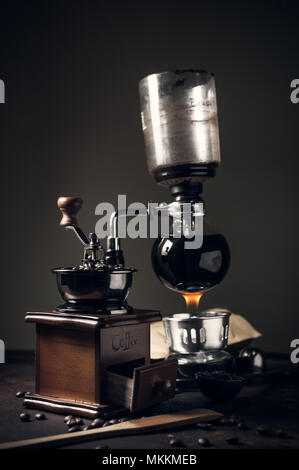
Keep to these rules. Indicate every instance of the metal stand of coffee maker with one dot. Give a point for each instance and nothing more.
(198, 342)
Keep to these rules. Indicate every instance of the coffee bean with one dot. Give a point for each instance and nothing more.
(232, 440)
(281, 433)
(67, 418)
(263, 430)
(113, 421)
(123, 420)
(40, 416)
(204, 442)
(86, 428)
(73, 419)
(71, 422)
(24, 417)
(79, 421)
(176, 443)
(20, 394)
(234, 419)
(205, 426)
(97, 423)
(74, 429)
(225, 421)
(106, 424)
(241, 425)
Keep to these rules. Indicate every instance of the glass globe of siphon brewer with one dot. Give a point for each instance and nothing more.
(189, 262)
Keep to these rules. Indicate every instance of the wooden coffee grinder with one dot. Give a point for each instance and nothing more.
(93, 351)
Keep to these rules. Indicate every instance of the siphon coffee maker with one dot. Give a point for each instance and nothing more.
(180, 127)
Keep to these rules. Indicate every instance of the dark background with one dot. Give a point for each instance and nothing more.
(71, 126)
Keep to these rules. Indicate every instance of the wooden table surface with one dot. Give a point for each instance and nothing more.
(272, 402)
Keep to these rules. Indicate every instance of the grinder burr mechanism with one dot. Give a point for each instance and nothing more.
(95, 285)
(69, 207)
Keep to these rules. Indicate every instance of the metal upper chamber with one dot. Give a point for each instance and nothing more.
(180, 125)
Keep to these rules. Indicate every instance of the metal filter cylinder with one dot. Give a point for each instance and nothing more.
(191, 334)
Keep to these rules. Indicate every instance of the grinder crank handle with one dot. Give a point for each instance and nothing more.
(69, 207)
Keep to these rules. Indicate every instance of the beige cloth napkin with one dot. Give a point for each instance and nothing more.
(240, 330)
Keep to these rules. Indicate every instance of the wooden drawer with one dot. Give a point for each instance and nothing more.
(136, 386)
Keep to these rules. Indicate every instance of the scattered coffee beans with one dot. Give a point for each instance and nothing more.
(20, 394)
(176, 443)
(205, 426)
(204, 442)
(74, 429)
(71, 422)
(24, 417)
(232, 440)
(113, 421)
(79, 421)
(233, 420)
(241, 425)
(97, 423)
(225, 421)
(67, 418)
(263, 430)
(280, 433)
(40, 416)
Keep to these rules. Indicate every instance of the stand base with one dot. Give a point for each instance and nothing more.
(204, 359)
(190, 364)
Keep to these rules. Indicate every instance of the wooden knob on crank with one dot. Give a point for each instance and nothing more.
(69, 207)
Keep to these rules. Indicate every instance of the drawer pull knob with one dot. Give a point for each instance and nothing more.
(162, 386)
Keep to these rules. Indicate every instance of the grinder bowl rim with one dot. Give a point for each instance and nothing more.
(85, 272)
